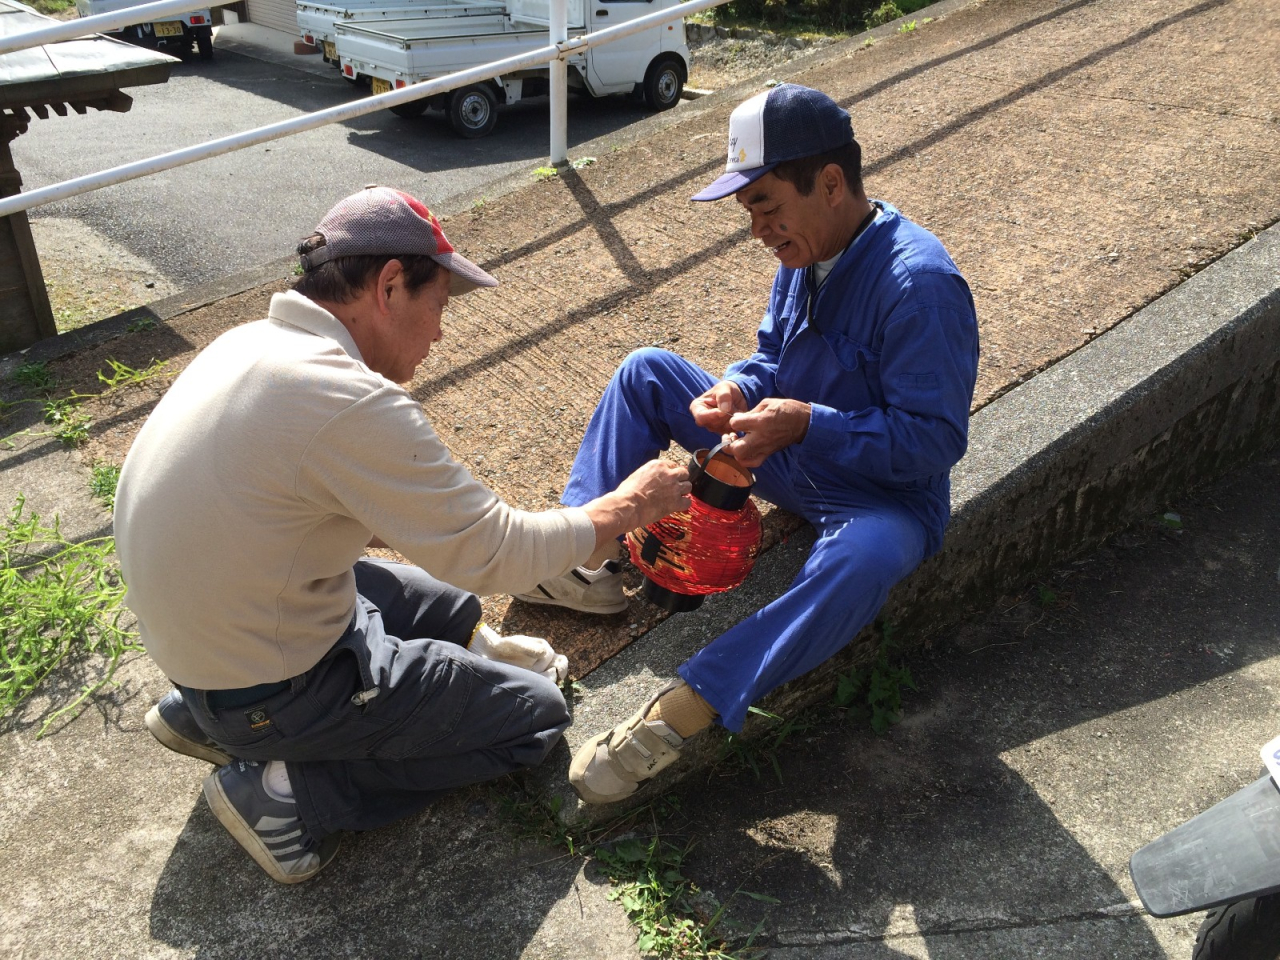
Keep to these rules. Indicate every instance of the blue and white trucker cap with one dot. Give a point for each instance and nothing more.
(784, 123)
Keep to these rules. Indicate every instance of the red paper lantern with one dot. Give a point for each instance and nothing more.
(709, 548)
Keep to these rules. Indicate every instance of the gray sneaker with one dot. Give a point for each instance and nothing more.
(269, 829)
(172, 724)
(588, 591)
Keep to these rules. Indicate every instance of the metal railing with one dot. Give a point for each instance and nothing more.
(555, 54)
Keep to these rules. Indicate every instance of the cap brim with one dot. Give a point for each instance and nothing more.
(730, 183)
(465, 275)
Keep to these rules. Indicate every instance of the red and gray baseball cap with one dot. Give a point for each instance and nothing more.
(786, 122)
(386, 222)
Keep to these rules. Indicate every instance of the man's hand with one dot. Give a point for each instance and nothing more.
(771, 426)
(713, 409)
(658, 488)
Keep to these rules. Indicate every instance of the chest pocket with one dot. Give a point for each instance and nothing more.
(852, 355)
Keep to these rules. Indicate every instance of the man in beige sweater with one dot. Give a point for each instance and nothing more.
(337, 693)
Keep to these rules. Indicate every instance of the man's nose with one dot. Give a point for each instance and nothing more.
(757, 226)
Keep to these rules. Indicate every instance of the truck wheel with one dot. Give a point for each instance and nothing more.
(414, 108)
(473, 111)
(663, 83)
(204, 43)
(1245, 930)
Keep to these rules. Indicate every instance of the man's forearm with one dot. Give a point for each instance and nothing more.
(612, 515)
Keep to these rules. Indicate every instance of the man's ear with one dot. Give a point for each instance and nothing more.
(388, 280)
(831, 181)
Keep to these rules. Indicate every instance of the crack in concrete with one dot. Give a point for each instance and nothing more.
(1116, 911)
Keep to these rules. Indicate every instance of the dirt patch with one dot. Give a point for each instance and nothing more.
(718, 63)
(89, 276)
(1060, 152)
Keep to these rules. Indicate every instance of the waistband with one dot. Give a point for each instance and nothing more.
(243, 696)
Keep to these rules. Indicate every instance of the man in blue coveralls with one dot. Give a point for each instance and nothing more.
(852, 411)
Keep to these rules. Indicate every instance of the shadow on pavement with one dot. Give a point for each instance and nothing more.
(447, 883)
(1050, 740)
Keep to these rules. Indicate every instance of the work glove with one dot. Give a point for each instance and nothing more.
(529, 653)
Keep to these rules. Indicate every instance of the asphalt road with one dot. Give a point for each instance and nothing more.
(209, 219)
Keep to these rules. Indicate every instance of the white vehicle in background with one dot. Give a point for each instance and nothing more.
(176, 35)
(317, 22)
(398, 53)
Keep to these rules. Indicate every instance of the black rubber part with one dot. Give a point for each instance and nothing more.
(1246, 930)
(464, 115)
(1214, 859)
(204, 43)
(663, 83)
(669, 600)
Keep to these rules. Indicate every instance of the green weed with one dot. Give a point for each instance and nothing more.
(582, 162)
(667, 909)
(35, 376)
(51, 7)
(874, 692)
(1046, 596)
(103, 481)
(908, 27)
(59, 602)
(142, 324)
(68, 423)
(546, 173)
(122, 375)
(887, 12)
(664, 905)
(753, 752)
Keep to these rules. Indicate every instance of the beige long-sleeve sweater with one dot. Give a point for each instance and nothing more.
(257, 482)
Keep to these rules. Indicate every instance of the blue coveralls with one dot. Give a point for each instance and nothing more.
(886, 353)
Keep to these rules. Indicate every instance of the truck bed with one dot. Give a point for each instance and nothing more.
(318, 19)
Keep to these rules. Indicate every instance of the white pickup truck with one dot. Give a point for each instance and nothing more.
(397, 53)
(176, 34)
(317, 22)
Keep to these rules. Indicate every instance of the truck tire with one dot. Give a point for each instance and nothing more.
(410, 110)
(204, 43)
(1244, 930)
(473, 111)
(663, 83)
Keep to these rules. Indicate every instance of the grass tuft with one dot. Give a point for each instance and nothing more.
(59, 602)
(103, 482)
(873, 693)
(673, 918)
(35, 376)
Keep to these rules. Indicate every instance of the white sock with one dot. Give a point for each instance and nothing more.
(275, 778)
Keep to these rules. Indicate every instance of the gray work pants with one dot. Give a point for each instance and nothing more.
(398, 710)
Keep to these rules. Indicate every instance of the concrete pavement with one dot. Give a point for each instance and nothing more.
(1049, 741)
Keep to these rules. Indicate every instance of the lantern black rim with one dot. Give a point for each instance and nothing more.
(669, 600)
(713, 492)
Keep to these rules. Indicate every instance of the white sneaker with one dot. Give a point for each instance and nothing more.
(588, 591)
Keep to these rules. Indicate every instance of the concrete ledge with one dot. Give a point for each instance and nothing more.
(1185, 389)
(158, 311)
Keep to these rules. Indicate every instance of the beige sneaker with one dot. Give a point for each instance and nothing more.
(587, 591)
(611, 766)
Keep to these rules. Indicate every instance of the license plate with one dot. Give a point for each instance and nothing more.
(331, 50)
(168, 28)
(1271, 757)
(381, 86)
